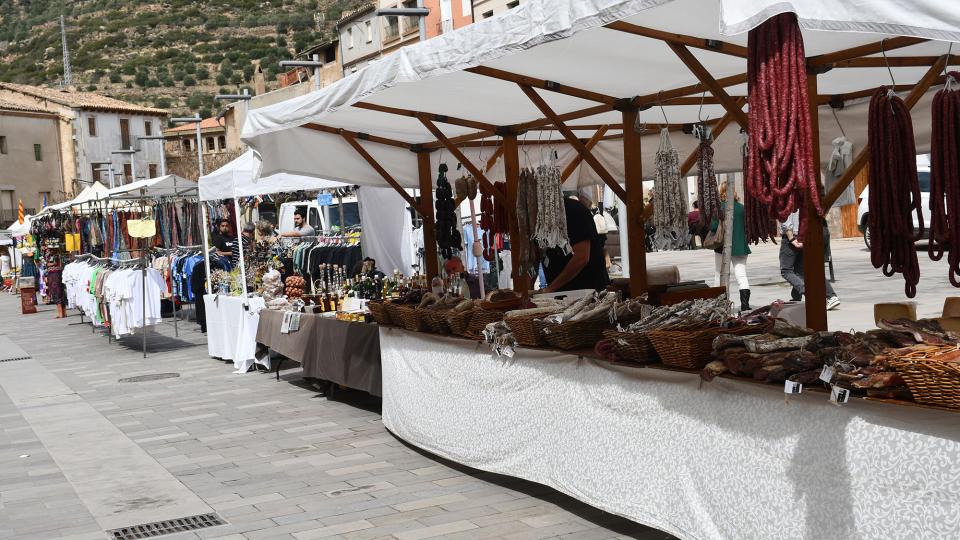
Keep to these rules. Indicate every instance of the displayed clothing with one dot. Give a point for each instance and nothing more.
(232, 323)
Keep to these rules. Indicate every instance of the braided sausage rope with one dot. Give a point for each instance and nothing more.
(760, 227)
(781, 172)
(945, 176)
(707, 193)
(894, 189)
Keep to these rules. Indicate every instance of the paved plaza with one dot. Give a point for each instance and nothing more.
(83, 452)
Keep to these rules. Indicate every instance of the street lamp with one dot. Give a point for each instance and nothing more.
(204, 229)
(420, 12)
(316, 64)
(163, 153)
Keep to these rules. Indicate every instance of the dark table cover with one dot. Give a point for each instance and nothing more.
(345, 353)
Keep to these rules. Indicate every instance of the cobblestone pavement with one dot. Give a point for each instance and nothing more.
(81, 452)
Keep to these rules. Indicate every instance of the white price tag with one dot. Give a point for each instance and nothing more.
(285, 324)
(507, 351)
(827, 374)
(839, 395)
(790, 387)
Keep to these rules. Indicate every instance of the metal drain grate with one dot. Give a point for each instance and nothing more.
(150, 377)
(15, 359)
(170, 526)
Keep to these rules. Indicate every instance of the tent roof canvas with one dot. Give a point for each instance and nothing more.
(162, 186)
(240, 178)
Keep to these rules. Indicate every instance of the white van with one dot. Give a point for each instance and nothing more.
(923, 175)
(321, 218)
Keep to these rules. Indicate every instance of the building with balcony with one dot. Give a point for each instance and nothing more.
(484, 9)
(445, 16)
(360, 38)
(95, 133)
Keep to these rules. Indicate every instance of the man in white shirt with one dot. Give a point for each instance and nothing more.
(791, 261)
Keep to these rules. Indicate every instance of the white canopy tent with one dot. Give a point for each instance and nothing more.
(17, 229)
(93, 192)
(170, 185)
(568, 43)
(241, 178)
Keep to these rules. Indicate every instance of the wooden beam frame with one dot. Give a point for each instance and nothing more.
(357, 135)
(877, 47)
(634, 221)
(425, 175)
(511, 173)
(572, 115)
(458, 155)
(452, 120)
(716, 88)
(383, 172)
(576, 143)
(815, 281)
(712, 45)
(930, 77)
(650, 100)
(543, 84)
(577, 159)
(881, 62)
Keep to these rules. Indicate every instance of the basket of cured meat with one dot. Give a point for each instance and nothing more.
(932, 373)
(582, 323)
(378, 310)
(433, 310)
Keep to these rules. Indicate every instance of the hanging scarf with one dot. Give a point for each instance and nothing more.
(551, 230)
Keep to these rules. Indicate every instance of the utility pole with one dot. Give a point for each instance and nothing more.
(67, 75)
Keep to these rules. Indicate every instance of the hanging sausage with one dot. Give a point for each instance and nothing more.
(894, 189)
(945, 176)
(669, 206)
(707, 193)
(448, 234)
(780, 173)
(760, 227)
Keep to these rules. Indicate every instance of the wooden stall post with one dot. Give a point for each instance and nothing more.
(511, 166)
(815, 282)
(633, 176)
(426, 211)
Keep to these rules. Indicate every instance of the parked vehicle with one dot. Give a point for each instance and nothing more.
(923, 175)
(321, 218)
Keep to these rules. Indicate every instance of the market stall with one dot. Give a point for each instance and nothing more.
(575, 93)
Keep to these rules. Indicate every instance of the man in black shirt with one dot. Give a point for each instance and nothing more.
(223, 240)
(585, 267)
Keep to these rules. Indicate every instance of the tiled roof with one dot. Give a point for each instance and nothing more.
(80, 100)
(206, 123)
(11, 106)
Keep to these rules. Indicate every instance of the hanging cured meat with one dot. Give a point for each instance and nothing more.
(707, 193)
(669, 206)
(551, 229)
(945, 176)
(781, 173)
(448, 235)
(894, 189)
(760, 227)
(527, 223)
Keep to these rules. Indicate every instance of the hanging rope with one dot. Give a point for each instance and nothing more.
(707, 193)
(945, 177)
(780, 172)
(894, 189)
(760, 227)
(669, 207)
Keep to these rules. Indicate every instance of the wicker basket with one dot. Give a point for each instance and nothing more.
(435, 319)
(632, 346)
(407, 316)
(575, 334)
(481, 318)
(526, 331)
(690, 348)
(459, 321)
(931, 381)
(378, 310)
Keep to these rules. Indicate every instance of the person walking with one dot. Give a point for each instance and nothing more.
(739, 250)
(791, 261)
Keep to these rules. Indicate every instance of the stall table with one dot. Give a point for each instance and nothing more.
(726, 459)
(232, 323)
(344, 353)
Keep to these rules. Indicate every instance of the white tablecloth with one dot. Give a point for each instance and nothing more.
(232, 328)
(729, 459)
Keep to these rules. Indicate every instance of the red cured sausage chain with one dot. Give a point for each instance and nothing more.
(945, 178)
(707, 193)
(780, 172)
(894, 189)
(760, 227)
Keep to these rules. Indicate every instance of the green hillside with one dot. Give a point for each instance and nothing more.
(172, 54)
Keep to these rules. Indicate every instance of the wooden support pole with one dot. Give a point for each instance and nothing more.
(429, 220)
(383, 172)
(572, 166)
(576, 143)
(511, 167)
(356, 135)
(458, 155)
(713, 45)
(707, 79)
(445, 119)
(863, 157)
(633, 175)
(814, 278)
(876, 47)
(542, 84)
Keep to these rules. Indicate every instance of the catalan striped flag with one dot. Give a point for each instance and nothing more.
(20, 212)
